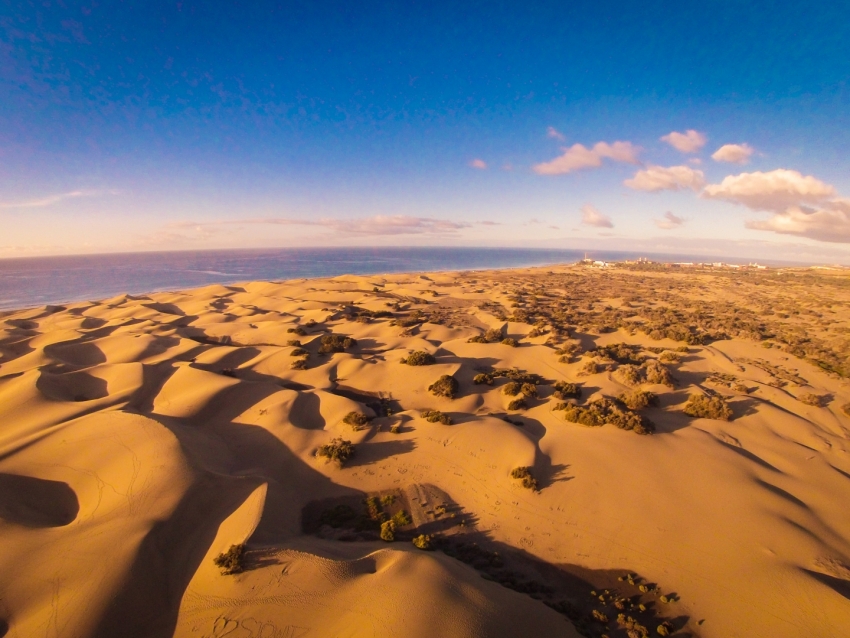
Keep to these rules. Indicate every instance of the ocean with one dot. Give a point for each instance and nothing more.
(36, 281)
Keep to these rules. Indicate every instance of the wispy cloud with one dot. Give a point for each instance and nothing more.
(673, 178)
(480, 164)
(733, 153)
(555, 134)
(669, 221)
(590, 216)
(579, 157)
(50, 200)
(376, 225)
(688, 142)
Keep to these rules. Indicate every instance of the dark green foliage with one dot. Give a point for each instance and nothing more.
(299, 352)
(294, 342)
(423, 541)
(524, 475)
(566, 390)
(446, 386)
(299, 364)
(638, 399)
(491, 336)
(815, 400)
(419, 358)
(704, 407)
(388, 531)
(512, 388)
(336, 343)
(590, 367)
(650, 371)
(621, 353)
(338, 450)
(483, 379)
(356, 420)
(435, 416)
(297, 330)
(401, 519)
(529, 390)
(517, 404)
(231, 561)
(510, 341)
(601, 411)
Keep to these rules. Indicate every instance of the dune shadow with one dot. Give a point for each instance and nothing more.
(372, 453)
(839, 585)
(165, 308)
(749, 456)
(35, 502)
(78, 353)
(782, 493)
(305, 413)
(72, 386)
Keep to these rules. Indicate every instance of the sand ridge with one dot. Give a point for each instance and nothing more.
(142, 436)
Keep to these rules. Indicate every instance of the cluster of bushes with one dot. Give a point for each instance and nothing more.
(523, 474)
(494, 335)
(231, 561)
(701, 406)
(514, 374)
(621, 353)
(638, 399)
(423, 541)
(297, 330)
(335, 343)
(513, 388)
(419, 358)
(650, 371)
(815, 400)
(566, 390)
(601, 411)
(435, 416)
(357, 420)
(338, 450)
(446, 386)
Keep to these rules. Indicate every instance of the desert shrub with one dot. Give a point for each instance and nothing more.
(356, 420)
(600, 617)
(401, 518)
(664, 629)
(524, 475)
(231, 561)
(294, 342)
(435, 416)
(566, 390)
(740, 387)
(419, 358)
(628, 374)
(590, 367)
(529, 390)
(299, 364)
(298, 330)
(512, 388)
(388, 531)
(493, 335)
(477, 339)
(388, 499)
(669, 357)
(517, 404)
(338, 450)
(704, 407)
(815, 400)
(515, 374)
(683, 349)
(846, 409)
(299, 352)
(601, 411)
(657, 373)
(423, 541)
(638, 399)
(336, 343)
(621, 353)
(446, 386)
(482, 379)
(569, 349)
(510, 341)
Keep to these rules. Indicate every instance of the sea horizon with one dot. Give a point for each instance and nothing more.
(35, 281)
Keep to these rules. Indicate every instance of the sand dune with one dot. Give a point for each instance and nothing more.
(142, 437)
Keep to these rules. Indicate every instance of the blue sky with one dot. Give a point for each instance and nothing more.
(192, 125)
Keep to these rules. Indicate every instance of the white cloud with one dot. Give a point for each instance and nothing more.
(669, 221)
(376, 225)
(555, 134)
(578, 157)
(775, 190)
(688, 142)
(673, 178)
(831, 223)
(54, 199)
(478, 163)
(590, 216)
(733, 153)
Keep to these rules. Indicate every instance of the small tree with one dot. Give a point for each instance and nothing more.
(388, 531)
(446, 386)
(338, 450)
(231, 561)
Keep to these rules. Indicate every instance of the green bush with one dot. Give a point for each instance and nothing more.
(446, 386)
(601, 411)
(628, 375)
(336, 343)
(512, 388)
(338, 450)
(299, 352)
(423, 541)
(294, 342)
(231, 561)
(435, 416)
(529, 390)
(524, 475)
(297, 330)
(664, 629)
(566, 390)
(510, 341)
(657, 373)
(419, 358)
(356, 420)
(621, 353)
(482, 379)
(517, 404)
(704, 407)
(388, 531)
(590, 367)
(493, 335)
(299, 364)
(815, 400)
(401, 519)
(638, 399)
